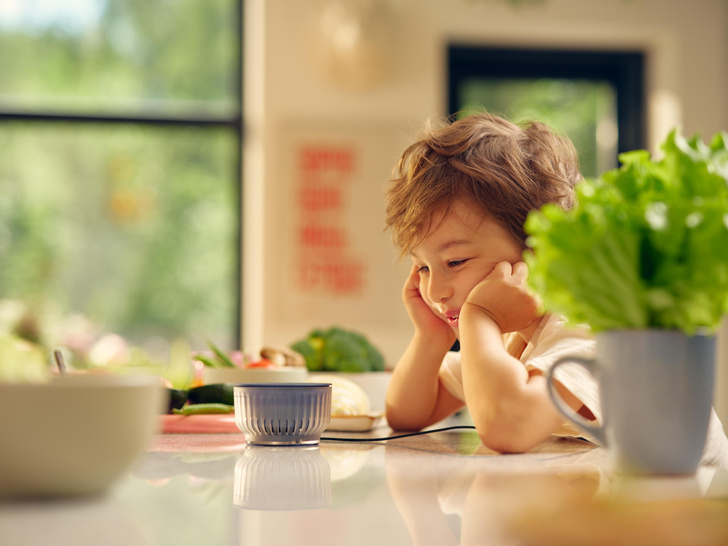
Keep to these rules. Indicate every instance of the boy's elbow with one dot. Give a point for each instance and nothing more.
(403, 425)
(400, 422)
(504, 441)
(506, 435)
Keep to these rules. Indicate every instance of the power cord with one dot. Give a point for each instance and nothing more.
(398, 436)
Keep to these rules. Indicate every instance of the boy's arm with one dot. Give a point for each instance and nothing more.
(415, 396)
(511, 408)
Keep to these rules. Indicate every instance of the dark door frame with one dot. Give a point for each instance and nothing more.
(625, 70)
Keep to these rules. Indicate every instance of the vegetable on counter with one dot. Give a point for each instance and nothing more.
(177, 399)
(339, 350)
(269, 357)
(347, 398)
(209, 394)
(203, 399)
(645, 247)
(204, 409)
(210, 398)
(217, 358)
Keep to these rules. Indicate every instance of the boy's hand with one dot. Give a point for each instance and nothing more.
(504, 297)
(422, 317)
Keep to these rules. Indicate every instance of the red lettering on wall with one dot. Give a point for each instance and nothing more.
(325, 259)
(337, 277)
(322, 237)
(316, 158)
(316, 199)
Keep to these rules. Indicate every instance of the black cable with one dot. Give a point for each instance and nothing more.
(398, 436)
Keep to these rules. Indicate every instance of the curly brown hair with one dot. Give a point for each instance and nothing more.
(501, 168)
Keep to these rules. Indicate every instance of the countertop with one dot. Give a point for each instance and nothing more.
(443, 488)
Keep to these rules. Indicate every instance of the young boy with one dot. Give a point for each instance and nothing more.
(457, 206)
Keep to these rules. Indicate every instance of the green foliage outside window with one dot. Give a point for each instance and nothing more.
(583, 110)
(133, 226)
(136, 234)
(122, 56)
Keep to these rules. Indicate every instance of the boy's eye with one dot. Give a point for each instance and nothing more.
(423, 269)
(455, 263)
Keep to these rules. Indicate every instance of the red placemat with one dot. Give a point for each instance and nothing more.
(199, 424)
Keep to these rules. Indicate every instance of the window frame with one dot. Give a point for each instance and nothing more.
(232, 121)
(625, 70)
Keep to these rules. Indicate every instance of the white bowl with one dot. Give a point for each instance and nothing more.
(282, 413)
(279, 374)
(75, 435)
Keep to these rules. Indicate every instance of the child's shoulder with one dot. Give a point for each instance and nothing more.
(556, 338)
(554, 327)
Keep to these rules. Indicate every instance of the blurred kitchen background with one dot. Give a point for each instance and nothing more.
(214, 169)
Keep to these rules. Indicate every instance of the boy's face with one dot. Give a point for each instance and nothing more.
(460, 253)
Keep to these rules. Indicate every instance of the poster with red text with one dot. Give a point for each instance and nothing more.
(335, 265)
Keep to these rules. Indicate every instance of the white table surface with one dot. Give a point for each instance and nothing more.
(440, 489)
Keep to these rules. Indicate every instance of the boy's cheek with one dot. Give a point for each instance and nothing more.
(430, 304)
(436, 312)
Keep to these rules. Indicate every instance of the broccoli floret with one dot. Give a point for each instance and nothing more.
(311, 352)
(339, 350)
(318, 332)
(374, 359)
(343, 353)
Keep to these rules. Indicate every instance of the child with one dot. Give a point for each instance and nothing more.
(457, 207)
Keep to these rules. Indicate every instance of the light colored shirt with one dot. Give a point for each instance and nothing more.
(553, 340)
(550, 342)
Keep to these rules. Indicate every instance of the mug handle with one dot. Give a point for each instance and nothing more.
(561, 406)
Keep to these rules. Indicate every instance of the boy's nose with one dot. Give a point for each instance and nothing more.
(440, 289)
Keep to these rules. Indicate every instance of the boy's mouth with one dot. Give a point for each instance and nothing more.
(452, 319)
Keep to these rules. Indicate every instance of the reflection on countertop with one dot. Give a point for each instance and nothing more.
(438, 489)
(282, 478)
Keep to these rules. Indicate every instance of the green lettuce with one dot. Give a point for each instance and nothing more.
(645, 247)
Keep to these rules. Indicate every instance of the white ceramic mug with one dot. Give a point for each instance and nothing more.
(656, 398)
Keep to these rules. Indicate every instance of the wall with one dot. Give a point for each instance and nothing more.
(687, 83)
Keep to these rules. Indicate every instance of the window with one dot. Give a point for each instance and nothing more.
(596, 98)
(120, 131)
